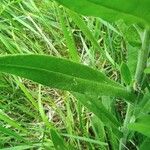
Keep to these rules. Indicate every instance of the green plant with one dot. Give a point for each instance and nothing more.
(91, 87)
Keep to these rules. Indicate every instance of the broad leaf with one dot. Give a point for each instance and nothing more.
(62, 74)
(142, 125)
(129, 10)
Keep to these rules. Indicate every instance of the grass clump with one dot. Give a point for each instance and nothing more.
(98, 96)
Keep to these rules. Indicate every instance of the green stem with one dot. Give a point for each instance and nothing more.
(141, 65)
(125, 129)
(143, 56)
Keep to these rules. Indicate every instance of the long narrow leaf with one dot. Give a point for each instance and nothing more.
(58, 141)
(62, 74)
(11, 133)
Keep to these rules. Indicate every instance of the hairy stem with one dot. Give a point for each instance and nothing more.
(123, 141)
(143, 56)
(141, 65)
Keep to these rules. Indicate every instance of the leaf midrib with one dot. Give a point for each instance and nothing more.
(63, 74)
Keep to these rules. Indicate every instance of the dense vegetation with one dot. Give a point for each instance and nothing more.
(74, 74)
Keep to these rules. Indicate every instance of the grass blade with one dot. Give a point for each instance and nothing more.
(97, 108)
(68, 36)
(10, 121)
(11, 133)
(58, 142)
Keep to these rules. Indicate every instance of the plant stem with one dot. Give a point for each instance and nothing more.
(125, 130)
(141, 65)
(143, 56)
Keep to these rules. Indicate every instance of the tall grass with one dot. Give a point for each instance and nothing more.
(33, 116)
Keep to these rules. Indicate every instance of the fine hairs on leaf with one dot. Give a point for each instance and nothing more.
(112, 10)
(64, 75)
(103, 105)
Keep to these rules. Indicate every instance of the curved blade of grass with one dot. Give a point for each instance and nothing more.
(85, 139)
(97, 108)
(130, 11)
(82, 25)
(62, 74)
(41, 110)
(27, 93)
(10, 121)
(68, 36)
(23, 147)
(11, 133)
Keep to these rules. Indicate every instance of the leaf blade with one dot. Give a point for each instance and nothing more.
(62, 74)
(112, 10)
(141, 125)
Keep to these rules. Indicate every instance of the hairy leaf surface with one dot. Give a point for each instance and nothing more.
(62, 74)
(129, 10)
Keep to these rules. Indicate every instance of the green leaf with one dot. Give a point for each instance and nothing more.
(10, 121)
(133, 44)
(125, 74)
(131, 34)
(68, 36)
(82, 25)
(144, 105)
(57, 140)
(85, 139)
(24, 147)
(63, 74)
(96, 106)
(141, 125)
(11, 133)
(130, 10)
(132, 58)
(145, 144)
(147, 70)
